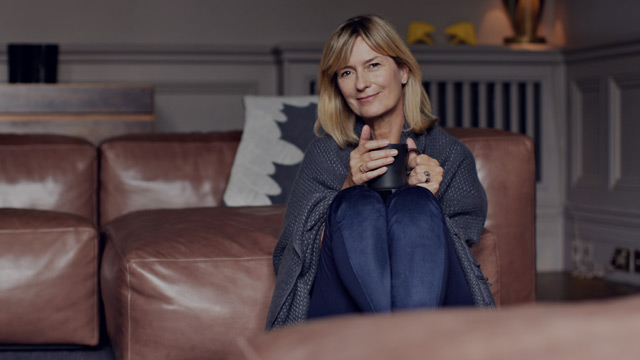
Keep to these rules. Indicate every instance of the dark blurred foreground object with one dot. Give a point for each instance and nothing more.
(33, 63)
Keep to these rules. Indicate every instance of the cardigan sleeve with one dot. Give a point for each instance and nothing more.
(462, 196)
(295, 256)
(464, 204)
(313, 191)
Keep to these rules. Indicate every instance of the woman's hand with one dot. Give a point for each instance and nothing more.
(366, 164)
(419, 165)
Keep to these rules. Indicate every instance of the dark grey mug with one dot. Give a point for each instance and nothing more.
(396, 175)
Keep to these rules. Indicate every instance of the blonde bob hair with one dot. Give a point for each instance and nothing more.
(334, 115)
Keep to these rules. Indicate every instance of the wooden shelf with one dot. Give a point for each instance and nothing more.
(92, 111)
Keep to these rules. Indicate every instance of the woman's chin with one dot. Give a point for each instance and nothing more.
(370, 114)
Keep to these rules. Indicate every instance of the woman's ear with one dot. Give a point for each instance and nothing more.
(404, 72)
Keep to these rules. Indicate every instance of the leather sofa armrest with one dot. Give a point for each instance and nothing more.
(506, 168)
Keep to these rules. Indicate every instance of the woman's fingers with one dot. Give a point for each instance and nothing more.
(367, 161)
(423, 159)
(431, 187)
(431, 181)
(379, 154)
(366, 144)
(375, 144)
(416, 177)
(434, 176)
(365, 134)
(372, 165)
(361, 175)
(373, 174)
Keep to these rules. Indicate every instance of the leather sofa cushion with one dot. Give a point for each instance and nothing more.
(161, 171)
(49, 278)
(48, 172)
(193, 278)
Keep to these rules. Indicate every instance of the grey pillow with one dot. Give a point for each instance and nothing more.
(277, 131)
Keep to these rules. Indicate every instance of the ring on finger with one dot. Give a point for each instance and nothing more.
(428, 175)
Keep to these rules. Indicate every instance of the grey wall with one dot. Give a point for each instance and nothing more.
(253, 22)
(589, 23)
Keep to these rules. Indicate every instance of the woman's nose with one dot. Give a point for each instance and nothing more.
(362, 82)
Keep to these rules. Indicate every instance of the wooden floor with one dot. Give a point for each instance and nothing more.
(557, 286)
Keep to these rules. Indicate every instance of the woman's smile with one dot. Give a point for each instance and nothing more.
(368, 98)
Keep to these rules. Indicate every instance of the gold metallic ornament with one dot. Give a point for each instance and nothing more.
(524, 16)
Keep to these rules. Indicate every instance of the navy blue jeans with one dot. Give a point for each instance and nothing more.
(382, 255)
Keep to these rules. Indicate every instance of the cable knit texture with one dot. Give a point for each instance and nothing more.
(321, 175)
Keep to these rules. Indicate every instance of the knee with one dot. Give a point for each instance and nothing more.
(355, 213)
(416, 220)
(412, 198)
(356, 199)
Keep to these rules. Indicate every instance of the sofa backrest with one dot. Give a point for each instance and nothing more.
(48, 172)
(157, 171)
(506, 168)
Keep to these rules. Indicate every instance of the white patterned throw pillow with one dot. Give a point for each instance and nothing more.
(277, 131)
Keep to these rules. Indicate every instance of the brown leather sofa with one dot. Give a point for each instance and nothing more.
(182, 277)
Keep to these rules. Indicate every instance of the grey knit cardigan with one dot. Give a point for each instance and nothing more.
(321, 175)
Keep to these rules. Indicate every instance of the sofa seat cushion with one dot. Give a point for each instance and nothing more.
(184, 283)
(49, 272)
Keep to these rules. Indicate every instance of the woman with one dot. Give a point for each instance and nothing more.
(344, 249)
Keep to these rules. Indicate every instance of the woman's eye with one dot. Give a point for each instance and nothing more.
(345, 73)
(374, 65)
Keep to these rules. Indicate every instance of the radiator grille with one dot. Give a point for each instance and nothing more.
(506, 105)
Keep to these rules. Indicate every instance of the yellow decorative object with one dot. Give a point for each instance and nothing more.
(462, 33)
(419, 33)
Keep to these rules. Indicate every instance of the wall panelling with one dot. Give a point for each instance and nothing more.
(603, 196)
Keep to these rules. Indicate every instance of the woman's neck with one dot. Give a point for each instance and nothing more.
(389, 129)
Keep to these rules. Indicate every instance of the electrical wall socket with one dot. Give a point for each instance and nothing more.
(621, 259)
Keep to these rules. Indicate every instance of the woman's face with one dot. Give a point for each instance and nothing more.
(371, 83)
